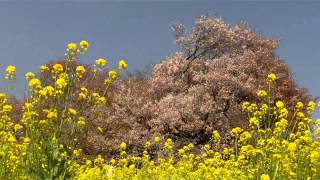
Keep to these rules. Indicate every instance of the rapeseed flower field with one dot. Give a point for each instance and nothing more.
(44, 143)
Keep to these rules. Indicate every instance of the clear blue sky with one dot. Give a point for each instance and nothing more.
(32, 33)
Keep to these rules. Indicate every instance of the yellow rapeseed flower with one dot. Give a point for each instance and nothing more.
(11, 70)
(101, 62)
(82, 96)
(107, 81)
(12, 139)
(47, 91)
(262, 94)
(52, 114)
(95, 95)
(101, 100)
(44, 68)
(311, 106)
(279, 104)
(122, 65)
(113, 74)
(3, 97)
(252, 108)
(168, 145)
(283, 113)
(147, 144)
(72, 112)
(30, 75)
(81, 121)
(61, 83)
(17, 127)
(84, 44)
(97, 98)
(265, 177)
(72, 46)
(80, 69)
(123, 146)
(181, 151)
(7, 108)
(264, 108)
(35, 83)
(27, 106)
(245, 137)
(245, 105)
(299, 105)
(272, 77)
(215, 137)
(300, 115)
(57, 68)
(84, 90)
(254, 122)
(236, 131)
(76, 152)
(157, 139)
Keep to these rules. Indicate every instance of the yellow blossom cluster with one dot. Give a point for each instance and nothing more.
(122, 65)
(272, 77)
(44, 142)
(11, 72)
(262, 94)
(113, 74)
(80, 70)
(73, 52)
(101, 62)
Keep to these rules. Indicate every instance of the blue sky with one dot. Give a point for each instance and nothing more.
(32, 33)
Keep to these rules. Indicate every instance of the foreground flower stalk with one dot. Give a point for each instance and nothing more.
(44, 142)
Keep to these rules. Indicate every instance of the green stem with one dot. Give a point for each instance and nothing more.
(276, 171)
